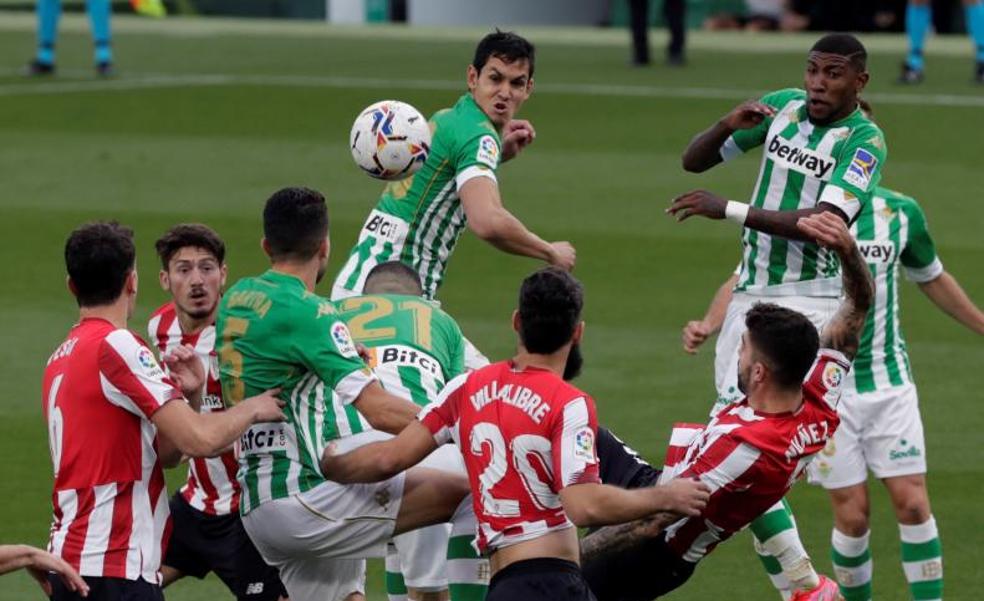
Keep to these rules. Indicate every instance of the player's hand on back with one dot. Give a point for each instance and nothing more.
(695, 333)
(828, 230)
(516, 135)
(563, 255)
(697, 202)
(185, 369)
(267, 406)
(684, 496)
(747, 115)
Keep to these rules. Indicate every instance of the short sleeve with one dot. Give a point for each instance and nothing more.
(456, 363)
(919, 256)
(573, 444)
(858, 171)
(477, 157)
(324, 345)
(824, 380)
(441, 416)
(130, 376)
(744, 140)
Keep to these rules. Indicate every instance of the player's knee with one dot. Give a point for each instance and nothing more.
(912, 510)
(853, 523)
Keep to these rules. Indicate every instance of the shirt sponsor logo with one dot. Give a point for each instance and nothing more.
(263, 438)
(385, 226)
(212, 402)
(805, 161)
(877, 252)
(861, 169)
(584, 445)
(488, 151)
(254, 588)
(406, 356)
(343, 340)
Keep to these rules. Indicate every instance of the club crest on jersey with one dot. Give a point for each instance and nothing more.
(488, 151)
(803, 160)
(861, 169)
(833, 375)
(343, 340)
(584, 445)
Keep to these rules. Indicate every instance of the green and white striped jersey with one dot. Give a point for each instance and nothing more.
(890, 231)
(803, 165)
(414, 346)
(418, 220)
(272, 332)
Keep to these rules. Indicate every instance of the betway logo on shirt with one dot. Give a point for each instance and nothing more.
(808, 162)
(877, 252)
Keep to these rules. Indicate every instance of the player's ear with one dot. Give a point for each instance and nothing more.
(71, 286)
(223, 272)
(515, 320)
(130, 287)
(265, 246)
(325, 248)
(165, 280)
(472, 77)
(529, 86)
(578, 333)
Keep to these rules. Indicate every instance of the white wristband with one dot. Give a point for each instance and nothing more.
(736, 211)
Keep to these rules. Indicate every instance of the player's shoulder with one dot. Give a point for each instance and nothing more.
(865, 132)
(897, 201)
(165, 310)
(161, 320)
(780, 98)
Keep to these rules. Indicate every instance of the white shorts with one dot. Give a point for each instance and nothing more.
(319, 539)
(879, 431)
(423, 552)
(818, 310)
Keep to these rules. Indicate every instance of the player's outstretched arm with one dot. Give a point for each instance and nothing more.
(947, 294)
(592, 504)
(38, 563)
(384, 411)
(379, 460)
(704, 151)
(843, 333)
(493, 223)
(696, 332)
(622, 537)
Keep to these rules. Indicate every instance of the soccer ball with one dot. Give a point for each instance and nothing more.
(390, 140)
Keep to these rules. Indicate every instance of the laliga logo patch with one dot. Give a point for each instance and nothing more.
(861, 168)
(146, 359)
(584, 445)
(343, 340)
(488, 151)
(833, 375)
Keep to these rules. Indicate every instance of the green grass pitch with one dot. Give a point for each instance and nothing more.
(208, 117)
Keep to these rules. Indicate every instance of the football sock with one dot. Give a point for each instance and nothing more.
(852, 565)
(396, 589)
(917, 18)
(922, 560)
(468, 573)
(48, 13)
(774, 570)
(99, 11)
(975, 27)
(777, 535)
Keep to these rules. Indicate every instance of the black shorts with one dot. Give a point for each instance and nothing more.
(641, 573)
(107, 589)
(542, 579)
(621, 466)
(202, 543)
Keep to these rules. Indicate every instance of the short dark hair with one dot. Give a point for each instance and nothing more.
(786, 338)
(505, 45)
(550, 303)
(846, 45)
(295, 223)
(195, 235)
(98, 257)
(393, 277)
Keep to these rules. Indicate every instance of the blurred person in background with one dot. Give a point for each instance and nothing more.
(750, 15)
(918, 16)
(49, 11)
(674, 12)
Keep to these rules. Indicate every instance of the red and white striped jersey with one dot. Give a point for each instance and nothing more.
(750, 459)
(211, 486)
(524, 436)
(101, 386)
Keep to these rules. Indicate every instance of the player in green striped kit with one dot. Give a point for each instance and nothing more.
(414, 348)
(273, 331)
(820, 153)
(419, 220)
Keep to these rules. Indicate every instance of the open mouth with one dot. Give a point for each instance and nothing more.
(198, 295)
(500, 107)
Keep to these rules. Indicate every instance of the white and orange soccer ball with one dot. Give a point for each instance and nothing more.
(390, 140)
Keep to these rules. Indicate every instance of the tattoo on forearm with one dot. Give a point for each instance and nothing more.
(844, 330)
(621, 537)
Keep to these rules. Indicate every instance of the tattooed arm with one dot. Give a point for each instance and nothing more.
(843, 333)
(621, 537)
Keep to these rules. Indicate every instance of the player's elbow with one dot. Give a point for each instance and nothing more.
(691, 164)
(583, 511)
(485, 227)
(389, 463)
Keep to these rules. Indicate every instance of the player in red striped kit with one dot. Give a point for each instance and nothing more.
(528, 441)
(207, 534)
(753, 451)
(113, 420)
